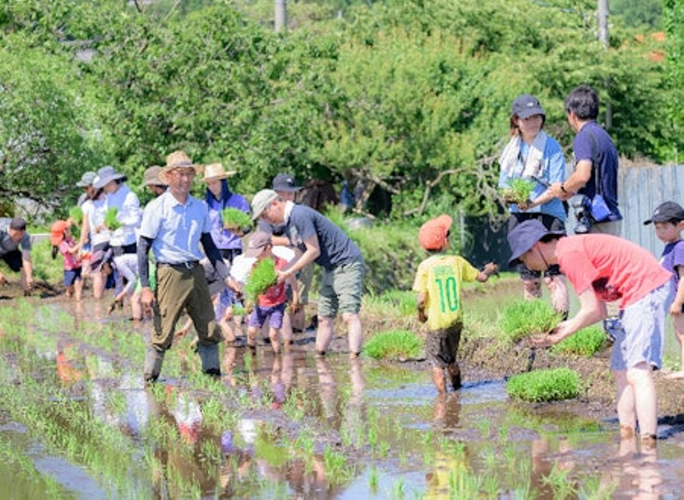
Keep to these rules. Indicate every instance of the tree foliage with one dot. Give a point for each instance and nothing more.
(411, 98)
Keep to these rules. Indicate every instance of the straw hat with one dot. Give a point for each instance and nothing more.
(151, 177)
(216, 172)
(178, 159)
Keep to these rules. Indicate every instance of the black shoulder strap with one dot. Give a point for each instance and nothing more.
(595, 162)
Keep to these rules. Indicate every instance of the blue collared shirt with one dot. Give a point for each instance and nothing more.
(176, 228)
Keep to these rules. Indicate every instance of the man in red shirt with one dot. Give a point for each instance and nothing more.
(604, 268)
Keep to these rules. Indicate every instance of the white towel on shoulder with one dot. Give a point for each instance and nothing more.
(534, 164)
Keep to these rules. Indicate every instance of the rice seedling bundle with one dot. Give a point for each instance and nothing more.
(524, 318)
(393, 344)
(110, 219)
(519, 190)
(234, 219)
(262, 276)
(537, 386)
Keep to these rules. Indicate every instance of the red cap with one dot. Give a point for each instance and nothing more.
(57, 231)
(433, 234)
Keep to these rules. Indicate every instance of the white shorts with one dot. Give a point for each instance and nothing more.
(643, 332)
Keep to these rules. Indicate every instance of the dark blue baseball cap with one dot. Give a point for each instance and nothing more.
(523, 237)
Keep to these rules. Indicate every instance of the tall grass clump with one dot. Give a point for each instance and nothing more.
(262, 276)
(393, 344)
(524, 318)
(392, 302)
(586, 342)
(537, 386)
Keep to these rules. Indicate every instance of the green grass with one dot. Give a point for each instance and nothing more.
(393, 344)
(555, 384)
(524, 318)
(586, 342)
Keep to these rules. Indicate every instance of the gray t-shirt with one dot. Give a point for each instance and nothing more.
(7, 244)
(336, 247)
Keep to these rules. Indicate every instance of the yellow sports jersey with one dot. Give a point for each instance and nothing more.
(440, 277)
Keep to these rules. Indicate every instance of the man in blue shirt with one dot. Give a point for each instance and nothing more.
(325, 244)
(174, 225)
(596, 159)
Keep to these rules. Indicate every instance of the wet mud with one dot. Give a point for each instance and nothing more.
(77, 421)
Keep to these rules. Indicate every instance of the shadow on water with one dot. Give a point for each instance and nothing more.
(291, 426)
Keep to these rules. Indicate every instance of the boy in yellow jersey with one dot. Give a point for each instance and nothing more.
(438, 283)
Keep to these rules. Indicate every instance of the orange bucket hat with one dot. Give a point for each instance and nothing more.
(433, 234)
(57, 232)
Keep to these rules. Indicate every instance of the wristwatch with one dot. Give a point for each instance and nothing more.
(562, 187)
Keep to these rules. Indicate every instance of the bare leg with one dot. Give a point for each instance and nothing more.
(98, 284)
(275, 341)
(439, 379)
(286, 330)
(640, 378)
(324, 335)
(252, 332)
(625, 403)
(678, 323)
(355, 333)
(136, 306)
(559, 294)
(532, 289)
(78, 289)
(454, 376)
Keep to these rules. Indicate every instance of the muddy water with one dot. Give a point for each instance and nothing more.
(77, 422)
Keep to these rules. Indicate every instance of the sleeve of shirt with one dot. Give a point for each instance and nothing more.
(556, 162)
(130, 213)
(420, 283)
(468, 271)
(581, 147)
(151, 220)
(206, 220)
(303, 223)
(26, 242)
(678, 257)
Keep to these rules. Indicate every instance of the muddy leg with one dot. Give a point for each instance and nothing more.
(324, 335)
(354, 332)
(454, 376)
(439, 379)
(559, 294)
(625, 404)
(153, 364)
(275, 340)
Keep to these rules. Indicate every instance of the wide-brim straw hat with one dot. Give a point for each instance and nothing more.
(152, 178)
(216, 172)
(178, 159)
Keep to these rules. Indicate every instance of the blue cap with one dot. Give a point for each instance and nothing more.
(523, 237)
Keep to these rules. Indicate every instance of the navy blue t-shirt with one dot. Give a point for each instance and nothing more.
(603, 147)
(336, 247)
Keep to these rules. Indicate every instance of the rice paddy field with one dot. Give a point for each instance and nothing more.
(77, 421)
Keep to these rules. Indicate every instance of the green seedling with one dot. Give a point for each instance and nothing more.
(524, 318)
(393, 344)
(519, 191)
(262, 277)
(586, 342)
(110, 221)
(238, 310)
(555, 384)
(234, 219)
(76, 215)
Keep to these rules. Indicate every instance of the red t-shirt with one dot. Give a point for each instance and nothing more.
(276, 294)
(616, 269)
